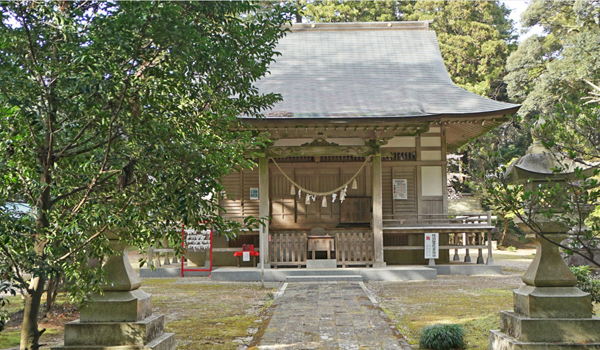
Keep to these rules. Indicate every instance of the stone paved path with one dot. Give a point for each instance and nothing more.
(334, 315)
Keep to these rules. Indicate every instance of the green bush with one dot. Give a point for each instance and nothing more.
(511, 249)
(442, 337)
(586, 282)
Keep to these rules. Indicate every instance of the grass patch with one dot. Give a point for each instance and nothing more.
(210, 315)
(472, 302)
(10, 338)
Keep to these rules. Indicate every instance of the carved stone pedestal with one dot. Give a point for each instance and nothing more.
(121, 318)
(550, 312)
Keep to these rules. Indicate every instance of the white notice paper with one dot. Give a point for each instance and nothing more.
(246, 256)
(400, 189)
(432, 246)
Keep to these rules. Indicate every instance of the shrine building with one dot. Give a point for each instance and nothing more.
(356, 171)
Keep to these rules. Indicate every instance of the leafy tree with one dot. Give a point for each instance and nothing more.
(571, 136)
(118, 116)
(550, 68)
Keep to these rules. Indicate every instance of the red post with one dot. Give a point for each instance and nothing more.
(182, 246)
(211, 243)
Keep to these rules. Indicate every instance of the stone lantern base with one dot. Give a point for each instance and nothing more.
(548, 318)
(549, 313)
(120, 318)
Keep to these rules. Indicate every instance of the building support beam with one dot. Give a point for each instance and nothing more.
(263, 208)
(377, 224)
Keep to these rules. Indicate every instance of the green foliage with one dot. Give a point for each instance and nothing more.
(511, 249)
(442, 337)
(120, 116)
(549, 68)
(586, 282)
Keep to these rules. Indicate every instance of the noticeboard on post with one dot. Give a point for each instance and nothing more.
(432, 246)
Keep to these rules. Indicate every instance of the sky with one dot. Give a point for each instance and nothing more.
(518, 7)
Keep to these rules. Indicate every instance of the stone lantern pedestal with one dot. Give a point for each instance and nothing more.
(121, 317)
(549, 311)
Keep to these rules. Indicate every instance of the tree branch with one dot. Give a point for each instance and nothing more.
(87, 241)
(12, 260)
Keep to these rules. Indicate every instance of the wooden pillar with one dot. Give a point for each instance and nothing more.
(377, 211)
(263, 207)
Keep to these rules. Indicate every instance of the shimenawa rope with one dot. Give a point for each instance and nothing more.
(321, 194)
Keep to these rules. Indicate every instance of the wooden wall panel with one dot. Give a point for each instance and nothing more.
(348, 170)
(409, 205)
(232, 203)
(433, 205)
(387, 190)
(329, 179)
(250, 179)
(400, 206)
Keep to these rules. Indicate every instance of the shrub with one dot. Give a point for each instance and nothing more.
(586, 282)
(511, 249)
(442, 337)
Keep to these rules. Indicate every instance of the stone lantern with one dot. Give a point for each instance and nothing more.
(121, 317)
(549, 311)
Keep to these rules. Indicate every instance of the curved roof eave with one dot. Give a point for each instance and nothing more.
(367, 71)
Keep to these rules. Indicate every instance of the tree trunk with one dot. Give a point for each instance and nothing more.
(30, 335)
(51, 293)
(504, 232)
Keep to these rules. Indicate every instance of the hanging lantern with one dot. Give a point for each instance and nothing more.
(324, 203)
(354, 185)
(293, 190)
(307, 200)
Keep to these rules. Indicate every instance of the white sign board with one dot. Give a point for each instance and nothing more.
(197, 240)
(253, 193)
(245, 256)
(400, 188)
(432, 246)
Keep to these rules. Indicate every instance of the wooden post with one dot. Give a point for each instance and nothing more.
(490, 259)
(263, 207)
(377, 212)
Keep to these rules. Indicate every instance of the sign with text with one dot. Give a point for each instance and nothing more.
(432, 246)
(400, 188)
(254, 193)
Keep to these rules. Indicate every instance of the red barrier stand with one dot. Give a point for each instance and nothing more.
(183, 240)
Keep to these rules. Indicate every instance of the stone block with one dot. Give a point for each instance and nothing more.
(501, 341)
(321, 264)
(131, 306)
(164, 342)
(79, 333)
(552, 302)
(553, 330)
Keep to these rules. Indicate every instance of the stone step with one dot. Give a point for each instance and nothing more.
(164, 342)
(323, 272)
(325, 278)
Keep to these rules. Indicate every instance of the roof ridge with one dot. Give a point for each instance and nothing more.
(338, 26)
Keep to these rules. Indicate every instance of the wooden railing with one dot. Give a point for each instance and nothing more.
(354, 248)
(437, 220)
(465, 231)
(288, 248)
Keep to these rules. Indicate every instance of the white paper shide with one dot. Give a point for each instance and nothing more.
(197, 240)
